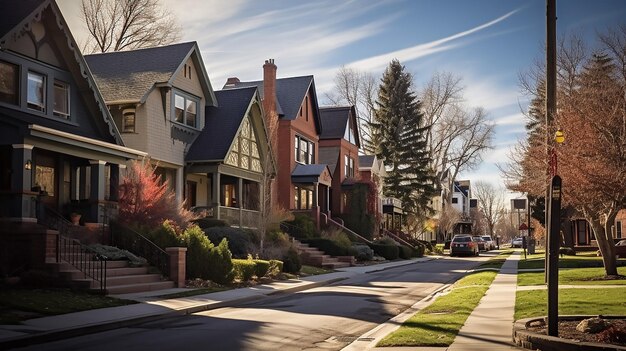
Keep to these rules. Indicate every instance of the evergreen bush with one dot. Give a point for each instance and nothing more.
(221, 264)
(240, 241)
(302, 227)
(389, 252)
(363, 252)
(205, 223)
(276, 266)
(291, 261)
(243, 269)
(262, 268)
(330, 247)
(405, 252)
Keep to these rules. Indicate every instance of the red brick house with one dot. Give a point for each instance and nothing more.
(292, 115)
(339, 148)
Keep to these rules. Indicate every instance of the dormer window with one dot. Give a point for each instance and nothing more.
(186, 109)
(128, 120)
(36, 96)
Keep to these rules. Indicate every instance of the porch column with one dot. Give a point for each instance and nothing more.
(315, 194)
(22, 168)
(240, 200)
(180, 180)
(328, 200)
(215, 198)
(114, 183)
(74, 194)
(96, 195)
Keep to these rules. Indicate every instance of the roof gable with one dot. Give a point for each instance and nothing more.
(128, 76)
(18, 20)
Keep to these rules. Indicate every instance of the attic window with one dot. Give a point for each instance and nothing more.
(36, 96)
(61, 99)
(185, 110)
(128, 120)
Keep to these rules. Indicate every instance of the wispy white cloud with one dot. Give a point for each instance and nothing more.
(421, 50)
(515, 119)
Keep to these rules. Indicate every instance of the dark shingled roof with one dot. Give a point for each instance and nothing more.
(221, 125)
(289, 92)
(129, 75)
(13, 12)
(334, 121)
(366, 160)
(308, 170)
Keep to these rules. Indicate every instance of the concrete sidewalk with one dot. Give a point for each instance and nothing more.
(151, 307)
(488, 328)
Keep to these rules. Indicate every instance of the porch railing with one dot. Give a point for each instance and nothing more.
(239, 217)
(80, 256)
(129, 239)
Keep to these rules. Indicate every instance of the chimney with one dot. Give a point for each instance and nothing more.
(231, 82)
(269, 91)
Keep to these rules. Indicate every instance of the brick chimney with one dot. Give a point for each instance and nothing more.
(231, 82)
(269, 91)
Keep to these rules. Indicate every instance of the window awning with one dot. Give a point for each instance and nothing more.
(309, 174)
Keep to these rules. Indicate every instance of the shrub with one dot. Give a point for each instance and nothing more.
(221, 264)
(363, 252)
(386, 241)
(405, 252)
(243, 269)
(302, 227)
(261, 268)
(420, 250)
(165, 235)
(198, 251)
(114, 254)
(205, 223)
(389, 252)
(275, 267)
(240, 241)
(291, 261)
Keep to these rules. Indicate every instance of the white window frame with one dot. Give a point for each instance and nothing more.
(44, 92)
(186, 97)
(308, 153)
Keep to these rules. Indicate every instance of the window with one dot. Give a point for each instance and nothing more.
(303, 198)
(304, 150)
(128, 121)
(348, 166)
(618, 229)
(455, 200)
(185, 110)
(349, 135)
(44, 179)
(245, 151)
(36, 96)
(61, 99)
(9, 82)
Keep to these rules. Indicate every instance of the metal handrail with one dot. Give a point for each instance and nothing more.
(88, 261)
(349, 231)
(126, 238)
(396, 238)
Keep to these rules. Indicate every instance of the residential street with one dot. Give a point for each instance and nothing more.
(322, 318)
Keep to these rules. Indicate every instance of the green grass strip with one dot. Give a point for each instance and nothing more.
(48, 302)
(578, 276)
(609, 301)
(439, 323)
(583, 259)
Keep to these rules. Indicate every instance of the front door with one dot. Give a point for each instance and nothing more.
(45, 180)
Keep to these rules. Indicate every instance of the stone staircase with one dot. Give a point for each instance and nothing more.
(314, 257)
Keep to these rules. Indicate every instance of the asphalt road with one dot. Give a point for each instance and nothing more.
(325, 318)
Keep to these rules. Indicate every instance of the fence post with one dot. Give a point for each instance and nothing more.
(177, 265)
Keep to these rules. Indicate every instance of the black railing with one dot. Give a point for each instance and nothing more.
(86, 260)
(128, 239)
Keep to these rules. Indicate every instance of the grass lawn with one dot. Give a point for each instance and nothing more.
(20, 304)
(439, 323)
(574, 276)
(310, 270)
(583, 259)
(533, 303)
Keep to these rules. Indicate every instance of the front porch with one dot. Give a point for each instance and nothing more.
(392, 213)
(226, 193)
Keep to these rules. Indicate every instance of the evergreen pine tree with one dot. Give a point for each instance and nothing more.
(400, 140)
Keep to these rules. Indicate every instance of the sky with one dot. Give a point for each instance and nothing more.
(486, 42)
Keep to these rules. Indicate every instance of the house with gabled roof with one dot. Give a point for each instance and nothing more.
(230, 161)
(157, 97)
(60, 150)
(291, 109)
(339, 149)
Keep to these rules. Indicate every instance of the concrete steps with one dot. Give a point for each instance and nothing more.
(314, 257)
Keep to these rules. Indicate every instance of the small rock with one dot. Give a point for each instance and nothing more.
(537, 323)
(592, 325)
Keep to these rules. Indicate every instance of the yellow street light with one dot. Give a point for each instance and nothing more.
(559, 137)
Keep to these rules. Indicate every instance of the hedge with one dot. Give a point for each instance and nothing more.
(261, 268)
(406, 252)
(389, 252)
(291, 261)
(244, 269)
(275, 268)
(239, 241)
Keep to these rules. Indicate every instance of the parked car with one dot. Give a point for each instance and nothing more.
(620, 249)
(517, 242)
(489, 242)
(482, 245)
(463, 245)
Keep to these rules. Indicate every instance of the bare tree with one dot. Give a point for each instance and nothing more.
(357, 88)
(448, 218)
(490, 201)
(117, 25)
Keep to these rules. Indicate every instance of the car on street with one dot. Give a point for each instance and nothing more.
(463, 245)
(491, 245)
(482, 245)
(517, 242)
(620, 249)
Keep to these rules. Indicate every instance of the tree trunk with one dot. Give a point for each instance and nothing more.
(606, 246)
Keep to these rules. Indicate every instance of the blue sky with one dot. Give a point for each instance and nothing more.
(487, 42)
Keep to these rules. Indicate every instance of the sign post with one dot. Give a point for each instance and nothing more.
(554, 242)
